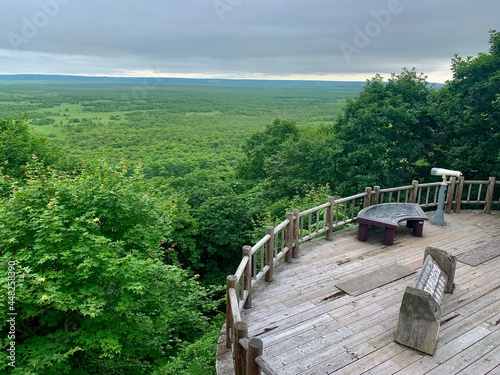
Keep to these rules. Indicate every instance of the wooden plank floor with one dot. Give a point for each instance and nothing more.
(308, 326)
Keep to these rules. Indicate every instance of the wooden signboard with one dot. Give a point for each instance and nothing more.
(432, 279)
(420, 313)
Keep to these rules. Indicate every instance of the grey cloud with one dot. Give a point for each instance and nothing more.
(253, 37)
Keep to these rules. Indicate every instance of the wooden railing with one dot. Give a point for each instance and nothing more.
(282, 242)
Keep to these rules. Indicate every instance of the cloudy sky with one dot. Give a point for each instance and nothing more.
(283, 39)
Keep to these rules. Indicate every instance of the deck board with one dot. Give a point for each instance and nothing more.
(308, 326)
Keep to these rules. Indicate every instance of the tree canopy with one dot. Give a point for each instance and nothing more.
(262, 145)
(386, 133)
(18, 144)
(93, 295)
(468, 112)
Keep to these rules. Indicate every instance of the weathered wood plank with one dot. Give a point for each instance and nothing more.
(374, 279)
(488, 364)
(307, 328)
(485, 310)
(376, 364)
(449, 350)
(390, 366)
(469, 355)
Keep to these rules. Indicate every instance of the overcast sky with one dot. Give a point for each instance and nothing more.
(284, 39)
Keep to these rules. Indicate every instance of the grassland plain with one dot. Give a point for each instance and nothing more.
(173, 126)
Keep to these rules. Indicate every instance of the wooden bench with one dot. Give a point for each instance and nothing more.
(388, 216)
(420, 312)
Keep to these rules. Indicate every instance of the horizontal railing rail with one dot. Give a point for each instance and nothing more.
(282, 243)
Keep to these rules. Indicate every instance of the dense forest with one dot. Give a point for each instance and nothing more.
(125, 205)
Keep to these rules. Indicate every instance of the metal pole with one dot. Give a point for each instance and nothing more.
(438, 218)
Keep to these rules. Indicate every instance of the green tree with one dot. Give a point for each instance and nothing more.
(18, 144)
(299, 164)
(214, 230)
(262, 145)
(225, 225)
(93, 295)
(468, 112)
(385, 135)
(197, 358)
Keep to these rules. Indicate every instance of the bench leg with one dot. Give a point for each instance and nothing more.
(363, 232)
(389, 236)
(418, 228)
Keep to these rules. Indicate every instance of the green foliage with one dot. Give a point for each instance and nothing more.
(18, 144)
(468, 112)
(299, 164)
(284, 161)
(385, 134)
(221, 217)
(306, 197)
(197, 358)
(225, 227)
(93, 295)
(181, 248)
(174, 128)
(264, 144)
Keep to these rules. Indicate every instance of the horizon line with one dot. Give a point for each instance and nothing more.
(178, 77)
(294, 79)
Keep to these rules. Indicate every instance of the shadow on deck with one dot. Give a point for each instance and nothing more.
(309, 326)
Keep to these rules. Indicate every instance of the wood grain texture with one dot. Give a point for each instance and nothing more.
(308, 326)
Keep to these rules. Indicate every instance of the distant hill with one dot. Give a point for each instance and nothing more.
(186, 81)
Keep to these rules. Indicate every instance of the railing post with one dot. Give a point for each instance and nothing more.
(414, 192)
(376, 195)
(449, 195)
(231, 282)
(296, 229)
(329, 219)
(255, 348)
(270, 254)
(289, 236)
(458, 194)
(240, 354)
(247, 276)
(489, 194)
(368, 197)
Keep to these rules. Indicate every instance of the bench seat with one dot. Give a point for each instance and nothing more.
(388, 216)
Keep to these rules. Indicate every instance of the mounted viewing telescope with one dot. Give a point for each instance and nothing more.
(439, 215)
(445, 172)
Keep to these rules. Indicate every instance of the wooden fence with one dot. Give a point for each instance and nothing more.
(282, 242)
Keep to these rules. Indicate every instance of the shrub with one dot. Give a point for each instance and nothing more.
(92, 293)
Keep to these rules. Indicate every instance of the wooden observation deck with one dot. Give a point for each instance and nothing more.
(307, 324)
